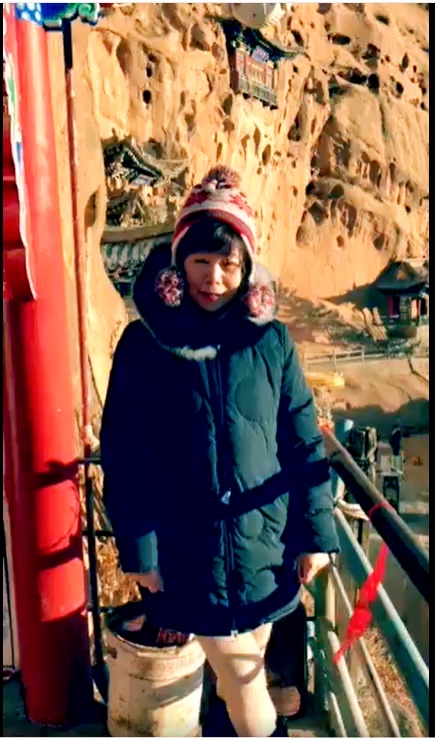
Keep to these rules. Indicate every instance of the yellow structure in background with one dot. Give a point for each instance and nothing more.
(334, 380)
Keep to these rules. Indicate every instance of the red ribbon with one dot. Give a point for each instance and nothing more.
(362, 616)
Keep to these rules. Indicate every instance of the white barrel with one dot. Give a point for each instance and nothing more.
(154, 691)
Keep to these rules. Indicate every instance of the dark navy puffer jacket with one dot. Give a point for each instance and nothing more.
(214, 465)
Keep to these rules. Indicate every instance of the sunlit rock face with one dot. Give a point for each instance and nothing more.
(337, 173)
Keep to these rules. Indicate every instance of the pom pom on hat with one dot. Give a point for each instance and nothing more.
(221, 176)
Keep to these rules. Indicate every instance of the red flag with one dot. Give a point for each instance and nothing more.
(362, 616)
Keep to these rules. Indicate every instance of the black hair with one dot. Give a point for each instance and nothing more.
(212, 236)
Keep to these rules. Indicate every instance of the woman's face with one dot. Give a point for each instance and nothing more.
(213, 280)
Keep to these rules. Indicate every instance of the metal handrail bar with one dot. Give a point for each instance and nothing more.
(411, 556)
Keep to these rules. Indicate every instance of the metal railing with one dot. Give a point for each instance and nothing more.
(339, 684)
(335, 684)
(411, 556)
(363, 354)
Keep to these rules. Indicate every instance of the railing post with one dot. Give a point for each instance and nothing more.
(361, 530)
(324, 607)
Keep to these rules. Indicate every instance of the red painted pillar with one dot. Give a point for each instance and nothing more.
(39, 426)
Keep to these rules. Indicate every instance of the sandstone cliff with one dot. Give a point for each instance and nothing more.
(337, 174)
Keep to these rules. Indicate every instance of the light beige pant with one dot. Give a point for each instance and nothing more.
(238, 662)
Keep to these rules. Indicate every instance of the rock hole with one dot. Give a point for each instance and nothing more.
(182, 99)
(190, 122)
(295, 133)
(149, 70)
(335, 88)
(310, 188)
(340, 241)
(375, 173)
(383, 19)
(199, 39)
(414, 68)
(219, 151)
(372, 52)
(355, 77)
(294, 164)
(320, 93)
(218, 52)
(404, 63)
(123, 55)
(323, 8)
(342, 153)
(336, 192)
(295, 69)
(407, 208)
(399, 88)
(257, 140)
(340, 39)
(227, 105)
(91, 210)
(318, 213)
(267, 152)
(155, 149)
(373, 82)
(388, 58)
(295, 191)
(351, 219)
(229, 126)
(379, 241)
(146, 97)
(298, 38)
(300, 233)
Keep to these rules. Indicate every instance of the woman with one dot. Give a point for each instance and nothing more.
(216, 481)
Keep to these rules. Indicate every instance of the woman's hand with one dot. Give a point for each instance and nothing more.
(151, 580)
(308, 565)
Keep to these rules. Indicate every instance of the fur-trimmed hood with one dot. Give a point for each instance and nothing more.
(190, 332)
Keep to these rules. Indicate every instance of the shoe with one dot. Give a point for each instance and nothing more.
(218, 723)
(281, 730)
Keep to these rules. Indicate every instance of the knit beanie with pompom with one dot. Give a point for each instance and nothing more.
(218, 196)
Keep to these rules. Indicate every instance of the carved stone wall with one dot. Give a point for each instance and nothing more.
(337, 174)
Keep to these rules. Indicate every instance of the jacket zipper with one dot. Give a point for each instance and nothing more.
(225, 499)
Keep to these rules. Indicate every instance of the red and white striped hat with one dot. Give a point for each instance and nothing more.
(218, 196)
